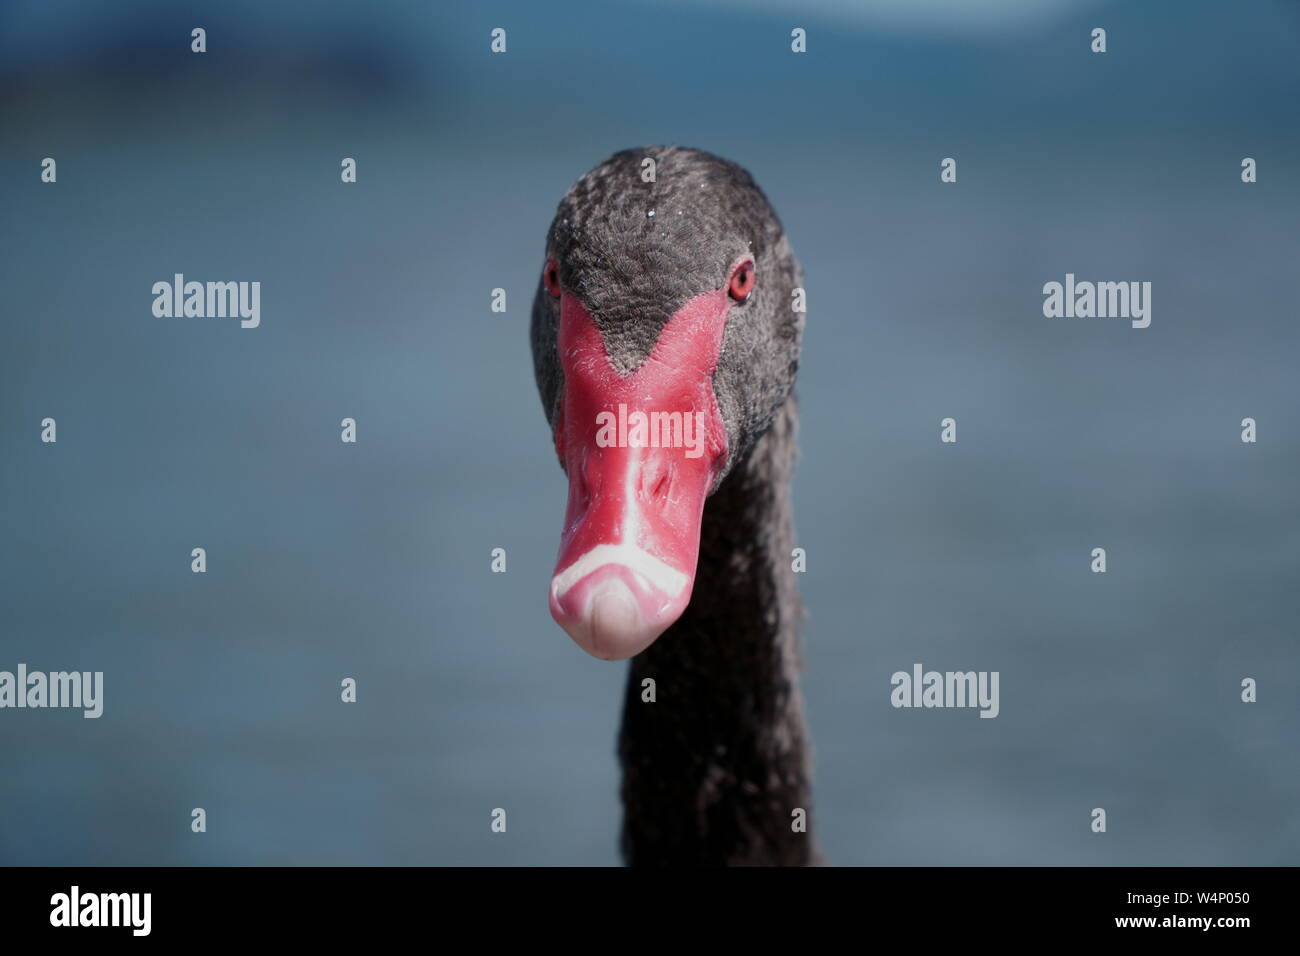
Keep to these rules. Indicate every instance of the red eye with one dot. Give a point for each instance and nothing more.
(742, 281)
(551, 278)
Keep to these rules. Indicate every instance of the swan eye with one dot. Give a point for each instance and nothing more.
(551, 278)
(742, 281)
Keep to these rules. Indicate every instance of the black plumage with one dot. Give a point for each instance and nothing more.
(715, 769)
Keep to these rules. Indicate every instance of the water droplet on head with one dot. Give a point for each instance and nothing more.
(650, 214)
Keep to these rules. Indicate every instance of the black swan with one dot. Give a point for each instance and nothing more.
(665, 337)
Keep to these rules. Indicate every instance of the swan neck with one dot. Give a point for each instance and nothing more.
(725, 734)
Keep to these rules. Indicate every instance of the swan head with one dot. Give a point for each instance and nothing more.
(665, 336)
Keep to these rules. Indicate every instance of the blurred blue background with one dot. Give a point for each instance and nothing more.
(371, 560)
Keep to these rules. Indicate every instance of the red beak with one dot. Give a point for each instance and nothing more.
(642, 452)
